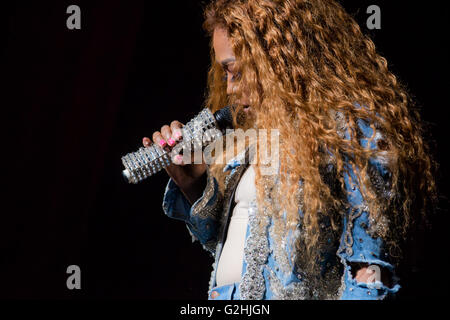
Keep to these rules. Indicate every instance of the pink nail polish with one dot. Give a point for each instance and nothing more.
(171, 142)
(162, 143)
(177, 134)
(178, 159)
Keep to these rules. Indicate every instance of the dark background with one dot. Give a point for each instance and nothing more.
(77, 100)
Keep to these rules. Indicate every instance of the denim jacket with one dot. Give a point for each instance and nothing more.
(269, 270)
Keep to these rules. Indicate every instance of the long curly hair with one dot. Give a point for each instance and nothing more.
(302, 62)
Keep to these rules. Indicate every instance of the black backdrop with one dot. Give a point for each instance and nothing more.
(77, 100)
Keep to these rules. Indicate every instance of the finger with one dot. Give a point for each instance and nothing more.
(178, 160)
(167, 134)
(146, 141)
(176, 126)
(158, 139)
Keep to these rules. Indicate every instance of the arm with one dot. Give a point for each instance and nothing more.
(192, 194)
(368, 273)
(202, 217)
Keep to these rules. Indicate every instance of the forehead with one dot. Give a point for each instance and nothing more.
(222, 46)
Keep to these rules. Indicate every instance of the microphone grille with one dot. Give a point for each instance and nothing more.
(224, 118)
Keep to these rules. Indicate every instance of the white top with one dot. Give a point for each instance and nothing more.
(229, 269)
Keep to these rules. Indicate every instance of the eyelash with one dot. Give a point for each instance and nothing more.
(234, 77)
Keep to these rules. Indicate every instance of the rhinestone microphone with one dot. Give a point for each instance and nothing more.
(203, 129)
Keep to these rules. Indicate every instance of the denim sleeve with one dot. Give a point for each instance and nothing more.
(357, 243)
(202, 218)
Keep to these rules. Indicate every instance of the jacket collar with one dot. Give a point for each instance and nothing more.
(240, 159)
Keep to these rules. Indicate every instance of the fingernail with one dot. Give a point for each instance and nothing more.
(162, 143)
(177, 135)
(171, 142)
(178, 159)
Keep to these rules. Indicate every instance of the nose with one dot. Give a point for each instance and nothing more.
(230, 86)
(230, 89)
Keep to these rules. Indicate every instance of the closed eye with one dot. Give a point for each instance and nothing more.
(233, 78)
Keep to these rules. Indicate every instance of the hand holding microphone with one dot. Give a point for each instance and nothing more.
(188, 177)
(170, 141)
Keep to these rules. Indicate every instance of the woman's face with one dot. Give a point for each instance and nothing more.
(225, 57)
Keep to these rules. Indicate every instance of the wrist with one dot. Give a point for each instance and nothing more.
(193, 189)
